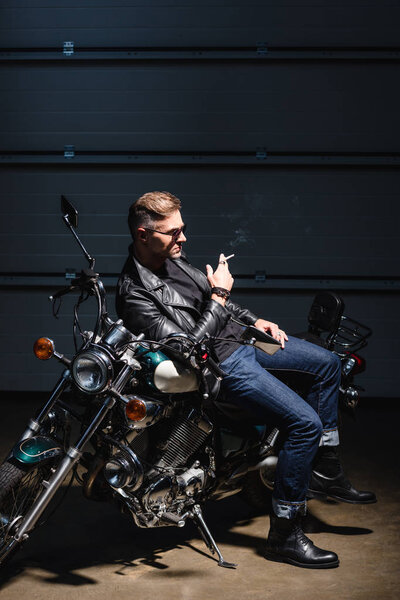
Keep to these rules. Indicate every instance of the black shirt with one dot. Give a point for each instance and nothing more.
(187, 287)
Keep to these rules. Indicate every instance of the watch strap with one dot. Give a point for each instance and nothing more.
(221, 292)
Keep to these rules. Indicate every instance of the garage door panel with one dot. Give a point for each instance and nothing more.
(304, 190)
(223, 23)
(219, 100)
(328, 107)
(284, 220)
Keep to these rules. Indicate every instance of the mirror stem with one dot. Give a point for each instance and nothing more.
(90, 259)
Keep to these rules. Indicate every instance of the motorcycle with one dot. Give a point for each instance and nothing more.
(133, 421)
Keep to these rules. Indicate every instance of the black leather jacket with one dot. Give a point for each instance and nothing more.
(147, 304)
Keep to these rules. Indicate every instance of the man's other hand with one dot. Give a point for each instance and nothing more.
(272, 329)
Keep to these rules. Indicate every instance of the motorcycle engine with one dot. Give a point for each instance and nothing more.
(168, 490)
(159, 467)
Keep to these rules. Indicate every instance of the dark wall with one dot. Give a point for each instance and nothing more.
(290, 221)
(226, 106)
(276, 123)
(218, 23)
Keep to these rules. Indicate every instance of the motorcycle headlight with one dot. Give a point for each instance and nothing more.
(92, 371)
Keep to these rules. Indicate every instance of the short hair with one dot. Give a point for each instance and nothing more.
(151, 207)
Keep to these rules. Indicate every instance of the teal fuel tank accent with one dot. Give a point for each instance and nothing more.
(165, 375)
(150, 361)
(261, 430)
(36, 450)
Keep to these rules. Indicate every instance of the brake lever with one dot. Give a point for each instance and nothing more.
(86, 276)
(204, 359)
(62, 292)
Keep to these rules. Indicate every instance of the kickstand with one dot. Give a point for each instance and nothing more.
(209, 541)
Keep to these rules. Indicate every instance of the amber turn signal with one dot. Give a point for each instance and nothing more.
(43, 348)
(135, 409)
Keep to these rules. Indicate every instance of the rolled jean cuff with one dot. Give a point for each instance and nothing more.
(288, 510)
(329, 437)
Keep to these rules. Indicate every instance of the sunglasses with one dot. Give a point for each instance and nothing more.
(175, 233)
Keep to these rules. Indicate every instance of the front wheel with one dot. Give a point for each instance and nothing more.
(19, 489)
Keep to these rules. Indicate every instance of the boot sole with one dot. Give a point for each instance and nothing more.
(324, 496)
(285, 559)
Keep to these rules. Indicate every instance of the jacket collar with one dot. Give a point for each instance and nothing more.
(151, 282)
(147, 278)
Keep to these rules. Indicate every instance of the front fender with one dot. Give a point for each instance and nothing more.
(37, 449)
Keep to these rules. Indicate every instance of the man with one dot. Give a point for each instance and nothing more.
(159, 293)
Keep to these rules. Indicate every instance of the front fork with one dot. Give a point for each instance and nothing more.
(72, 456)
(34, 424)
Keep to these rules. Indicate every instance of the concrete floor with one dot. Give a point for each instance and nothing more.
(89, 549)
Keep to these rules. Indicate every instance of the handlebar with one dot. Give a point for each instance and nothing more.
(199, 351)
(88, 281)
(86, 278)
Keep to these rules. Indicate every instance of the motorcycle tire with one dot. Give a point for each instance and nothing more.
(19, 489)
(257, 490)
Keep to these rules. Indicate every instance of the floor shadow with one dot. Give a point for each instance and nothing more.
(84, 534)
(311, 524)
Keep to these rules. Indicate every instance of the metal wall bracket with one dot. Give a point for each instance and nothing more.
(262, 48)
(70, 273)
(68, 48)
(69, 152)
(260, 276)
(261, 154)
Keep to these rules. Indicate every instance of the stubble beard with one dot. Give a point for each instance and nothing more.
(176, 252)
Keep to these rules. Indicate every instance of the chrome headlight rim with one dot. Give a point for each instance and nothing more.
(101, 359)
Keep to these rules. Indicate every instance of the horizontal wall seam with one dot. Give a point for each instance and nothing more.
(257, 53)
(243, 282)
(259, 157)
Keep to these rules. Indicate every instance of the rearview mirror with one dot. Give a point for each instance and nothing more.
(69, 211)
(70, 218)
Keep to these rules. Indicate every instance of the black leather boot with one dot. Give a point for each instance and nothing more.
(288, 543)
(328, 480)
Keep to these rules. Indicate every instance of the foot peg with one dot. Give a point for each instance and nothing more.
(209, 541)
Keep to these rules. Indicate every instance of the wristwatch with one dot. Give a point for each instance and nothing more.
(221, 292)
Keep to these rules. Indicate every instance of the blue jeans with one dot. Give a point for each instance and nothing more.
(304, 424)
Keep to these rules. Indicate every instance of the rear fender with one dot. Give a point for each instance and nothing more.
(37, 449)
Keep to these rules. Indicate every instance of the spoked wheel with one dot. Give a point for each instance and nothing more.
(18, 491)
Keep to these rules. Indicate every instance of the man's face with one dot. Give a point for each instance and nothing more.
(166, 244)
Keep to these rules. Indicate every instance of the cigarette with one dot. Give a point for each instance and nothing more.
(230, 256)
